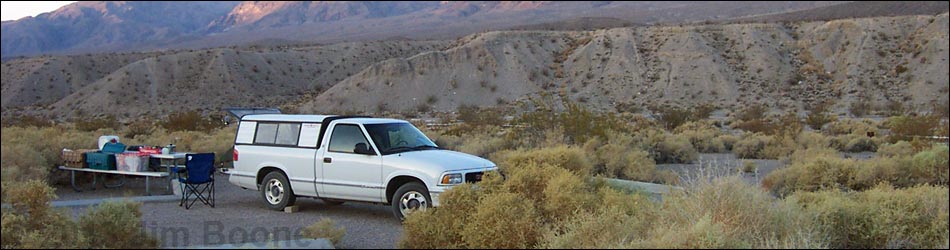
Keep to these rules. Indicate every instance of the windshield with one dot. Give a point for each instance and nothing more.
(394, 138)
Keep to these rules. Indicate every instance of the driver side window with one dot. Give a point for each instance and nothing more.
(345, 137)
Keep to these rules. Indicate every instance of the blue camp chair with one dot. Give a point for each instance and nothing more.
(197, 183)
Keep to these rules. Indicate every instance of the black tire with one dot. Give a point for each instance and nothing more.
(286, 198)
(332, 202)
(416, 187)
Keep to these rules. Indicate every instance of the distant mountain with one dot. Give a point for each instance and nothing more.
(857, 10)
(103, 26)
(110, 26)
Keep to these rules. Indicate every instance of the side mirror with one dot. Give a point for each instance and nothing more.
(362, 149)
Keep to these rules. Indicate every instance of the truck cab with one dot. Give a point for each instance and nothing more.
(343, 158)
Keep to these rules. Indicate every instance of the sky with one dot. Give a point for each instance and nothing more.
(13, 10)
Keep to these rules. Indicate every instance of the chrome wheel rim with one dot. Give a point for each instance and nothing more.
(411, 202)
(274, 192)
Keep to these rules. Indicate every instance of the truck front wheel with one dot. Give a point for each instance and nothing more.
(409, 198)
(276, 191)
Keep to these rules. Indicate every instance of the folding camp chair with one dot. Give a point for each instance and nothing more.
(198, 182)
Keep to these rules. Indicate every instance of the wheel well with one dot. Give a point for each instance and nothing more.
(265, 171)
(397, 182)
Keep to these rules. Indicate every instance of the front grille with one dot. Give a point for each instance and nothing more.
(474, 177)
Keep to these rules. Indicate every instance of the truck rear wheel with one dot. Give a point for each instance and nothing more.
(276, 191)
(409, 198)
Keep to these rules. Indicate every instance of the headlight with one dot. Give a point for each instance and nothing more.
(451, 179)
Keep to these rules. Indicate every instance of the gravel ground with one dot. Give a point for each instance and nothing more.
(239, 216)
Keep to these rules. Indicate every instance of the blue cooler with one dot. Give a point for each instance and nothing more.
(105, 158)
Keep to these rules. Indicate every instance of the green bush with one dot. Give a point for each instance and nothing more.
(728, 141)
(570, 158)
(882, 217)
(25, 121)
(620, 158)
(503, 220)
(906, 128)
(93, 124)
(673, 117)
(704, 136)
(115, 225)
(190, 121)
(818, 117)
(932, 165)
(32, 222)
(752, 146)
(901, 148)
(676, 149)
(861, 144)
(821, 173)
(825, 171)
(475, 116)
(325, 229)
(851, 127)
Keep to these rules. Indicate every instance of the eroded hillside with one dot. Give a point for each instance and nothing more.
(878, 61)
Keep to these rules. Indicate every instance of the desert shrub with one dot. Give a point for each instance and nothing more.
(860, 144)
(476, 116)
(93, 124)
(752, 146)
(673, 117)
(703, 135)
(326, 229)
(860, 108)
(676, 149)
(819, 116)
(442, 227)
(906, 128)
(751, 113)
(617, 220)
(115, 225)
(620, 158)
(851, 127)
(21, 163)
(578, 123)
(728, 213)
(749, 166)
(139, 127)
(32, 223)
(26, 121)
(901, 148)
(190, 121)
(567, 157)
(816, 171)
(807, 140)
(933, 165)
(728, 141)
(882, 217)
(821, 173)
(763, 126)
(37, 150)
(504, 220)
(818, 120)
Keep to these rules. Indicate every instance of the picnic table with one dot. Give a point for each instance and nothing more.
(147, 175)
(167, 161)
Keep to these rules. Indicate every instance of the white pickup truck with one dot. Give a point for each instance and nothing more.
(339, 158)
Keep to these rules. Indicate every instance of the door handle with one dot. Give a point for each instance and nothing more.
(327, 160)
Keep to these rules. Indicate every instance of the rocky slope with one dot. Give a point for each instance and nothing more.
(781, 65)
(901, 59)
